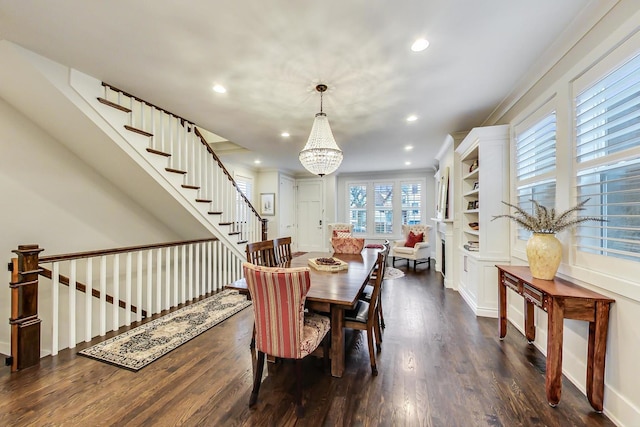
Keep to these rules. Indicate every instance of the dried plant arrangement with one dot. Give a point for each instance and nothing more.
(547, 221)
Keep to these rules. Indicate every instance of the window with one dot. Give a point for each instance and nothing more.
(383, 194)
(535, 159)
(411, 194)
(358, 207)
(393, 202)
(607, 155)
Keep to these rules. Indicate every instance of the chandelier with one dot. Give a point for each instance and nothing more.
(321, 155)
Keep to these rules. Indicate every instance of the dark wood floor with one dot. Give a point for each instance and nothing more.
(439, 366)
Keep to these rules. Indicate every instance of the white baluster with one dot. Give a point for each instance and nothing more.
(127, 292)
(209, 266)
(176, 297)
(115, 307)
(197, 272)
(190, 272)
(103, 295)
(158, 289)
(88, 301)
(183, 273)
(72, 304)
(139, 287)
(55, 300)
(149, 298)
(167, 284)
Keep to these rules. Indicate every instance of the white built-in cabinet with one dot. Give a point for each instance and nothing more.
(482, 183)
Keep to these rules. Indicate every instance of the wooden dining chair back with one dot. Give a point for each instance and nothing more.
(282, 327)
(261, 253)
(282, 249)
(365, 315)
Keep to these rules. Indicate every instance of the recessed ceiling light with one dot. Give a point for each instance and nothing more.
(219, 89)
(412, 118)
(285, 134)
(420, 45)
(408, 147)
(407, 163)
(257, 162)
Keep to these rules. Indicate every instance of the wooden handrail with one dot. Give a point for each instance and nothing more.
(226, 172)
(115, 89)
(91, 254)
(83, 288)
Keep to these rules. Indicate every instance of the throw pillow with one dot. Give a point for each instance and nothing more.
(412, 239)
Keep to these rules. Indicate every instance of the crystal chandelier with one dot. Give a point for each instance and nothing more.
(321, 155)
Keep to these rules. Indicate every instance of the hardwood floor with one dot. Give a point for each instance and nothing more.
(439, 366)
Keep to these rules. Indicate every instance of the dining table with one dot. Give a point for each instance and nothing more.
(332, 292)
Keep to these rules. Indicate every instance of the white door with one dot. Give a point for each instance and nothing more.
(310, 216)
(287, 209)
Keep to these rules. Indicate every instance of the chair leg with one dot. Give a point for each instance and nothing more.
(257, 379)
(378, 333)
(253, 337)
(393, 263)
(380, 313)
(372, 356)
(325, 347)
(299, 407)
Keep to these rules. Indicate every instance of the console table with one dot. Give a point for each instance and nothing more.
(561, 299)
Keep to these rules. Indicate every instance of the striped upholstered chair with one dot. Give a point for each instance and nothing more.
(282, 327)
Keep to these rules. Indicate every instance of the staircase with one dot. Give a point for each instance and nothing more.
(171, 171)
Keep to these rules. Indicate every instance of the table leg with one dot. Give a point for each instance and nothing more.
(529, 322)
(553, 379)
(337, 341)
(596, 353)
(502, 307)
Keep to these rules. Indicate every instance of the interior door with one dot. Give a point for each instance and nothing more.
(287, 209)
(310, 216)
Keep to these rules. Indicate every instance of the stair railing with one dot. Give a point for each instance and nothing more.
(120, 285)
(189, 154)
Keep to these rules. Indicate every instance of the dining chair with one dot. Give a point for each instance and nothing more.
(283, 329)
(365, 316)
(368, 289)
(261, 253)
(282, 249)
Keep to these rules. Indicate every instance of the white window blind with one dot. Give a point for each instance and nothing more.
(607, 147)
(383, 194)
(411, 202)
(536, 165)
(358, 207)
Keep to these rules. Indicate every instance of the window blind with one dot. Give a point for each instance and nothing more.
(607, 144)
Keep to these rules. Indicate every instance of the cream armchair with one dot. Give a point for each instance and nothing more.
(419, 253)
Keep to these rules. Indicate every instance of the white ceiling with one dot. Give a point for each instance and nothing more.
(271, 54)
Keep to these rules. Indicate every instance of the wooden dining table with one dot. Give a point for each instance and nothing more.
(333, 292)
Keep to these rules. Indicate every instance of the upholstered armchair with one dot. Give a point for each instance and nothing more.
(282, 328)
(342, 241)
(414, 246)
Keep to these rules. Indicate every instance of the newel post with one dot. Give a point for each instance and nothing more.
(25, 325)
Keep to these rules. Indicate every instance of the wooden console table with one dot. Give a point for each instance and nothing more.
(561, 299)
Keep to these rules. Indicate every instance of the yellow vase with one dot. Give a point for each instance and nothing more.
(544, 252)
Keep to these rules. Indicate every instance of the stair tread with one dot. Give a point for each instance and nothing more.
(175, 170)
(192, 187)
(241, 241)
(233, 233)
(161, 153)
(214, 213)
(114, 105)
(225, 223)
(138, 131)
(203, 200)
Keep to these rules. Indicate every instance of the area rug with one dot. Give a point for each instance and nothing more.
(393, 273)
(140, 346)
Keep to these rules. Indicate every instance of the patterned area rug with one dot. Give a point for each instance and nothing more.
(393, 273)
(140, 346)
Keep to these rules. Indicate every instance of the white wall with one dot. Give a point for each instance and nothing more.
(53, 199)
(622, 376)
